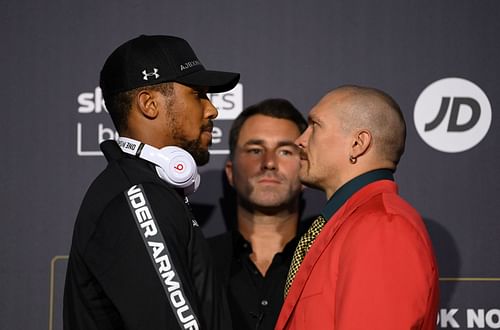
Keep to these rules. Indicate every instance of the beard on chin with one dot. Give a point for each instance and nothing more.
(194, 147)
(199, 153)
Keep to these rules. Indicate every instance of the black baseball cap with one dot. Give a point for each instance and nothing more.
(150, 60)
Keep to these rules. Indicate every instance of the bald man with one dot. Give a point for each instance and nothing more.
(372, 265)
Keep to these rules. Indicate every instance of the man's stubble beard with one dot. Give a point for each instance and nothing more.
(195, 148)
(309, 179)
(268, 200)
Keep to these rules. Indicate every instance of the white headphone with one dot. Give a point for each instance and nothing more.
(173, 164)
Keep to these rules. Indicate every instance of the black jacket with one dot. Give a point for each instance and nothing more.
(112, 282)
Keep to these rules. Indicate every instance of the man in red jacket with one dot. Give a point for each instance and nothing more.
(372, 265)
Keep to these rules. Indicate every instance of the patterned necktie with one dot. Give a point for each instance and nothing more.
(300, 251)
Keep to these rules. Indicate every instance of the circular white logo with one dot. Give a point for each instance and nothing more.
(452, 115)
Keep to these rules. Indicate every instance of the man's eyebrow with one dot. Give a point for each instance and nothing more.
(286, 143)
(312, 118)
(282, 143)
(254, 141)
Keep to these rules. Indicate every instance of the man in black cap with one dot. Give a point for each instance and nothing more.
(138, 258)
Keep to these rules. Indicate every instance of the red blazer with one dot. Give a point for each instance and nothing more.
(372, 267)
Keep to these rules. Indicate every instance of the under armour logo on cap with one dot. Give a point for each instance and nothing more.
(137, 63)
(146, 74)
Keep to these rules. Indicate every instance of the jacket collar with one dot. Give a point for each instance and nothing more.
(348, 189)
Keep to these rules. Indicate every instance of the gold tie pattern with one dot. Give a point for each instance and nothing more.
(300, 251)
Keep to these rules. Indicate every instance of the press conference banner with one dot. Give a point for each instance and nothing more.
(438, 59)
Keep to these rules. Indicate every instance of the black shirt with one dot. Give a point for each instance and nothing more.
(254, 300)
(112, 281)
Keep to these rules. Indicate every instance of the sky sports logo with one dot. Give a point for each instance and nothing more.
(452, 115)
(94, 124)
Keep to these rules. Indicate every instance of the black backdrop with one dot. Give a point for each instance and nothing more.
(420, 52)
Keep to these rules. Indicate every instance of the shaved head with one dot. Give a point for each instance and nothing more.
(352, 130)
(377, 112)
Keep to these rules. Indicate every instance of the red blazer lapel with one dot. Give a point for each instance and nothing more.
(322, 241)
(312, 256)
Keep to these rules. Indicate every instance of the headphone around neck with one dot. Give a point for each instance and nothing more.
(173, 164)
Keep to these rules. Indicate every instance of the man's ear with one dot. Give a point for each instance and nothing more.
(361, 143)
(229, 171)
(148, 103)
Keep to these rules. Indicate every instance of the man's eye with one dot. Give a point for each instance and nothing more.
(201, 95)
(288, 152)
(314, 126)
(254, 151)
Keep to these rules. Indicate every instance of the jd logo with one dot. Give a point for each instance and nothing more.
(452, 115)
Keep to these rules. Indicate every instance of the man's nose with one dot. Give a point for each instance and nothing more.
(269, 161)
(301, 141)
(210, 110)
